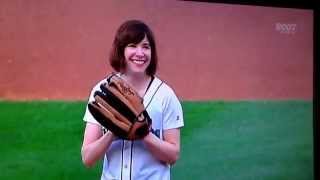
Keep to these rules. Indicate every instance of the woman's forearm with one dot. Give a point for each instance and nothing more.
(164, 151)
(94, 151)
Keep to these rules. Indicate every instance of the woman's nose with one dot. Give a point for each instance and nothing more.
(139, 52)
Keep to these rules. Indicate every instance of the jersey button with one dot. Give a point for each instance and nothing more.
(125, 166)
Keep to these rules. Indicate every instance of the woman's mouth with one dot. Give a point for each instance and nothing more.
(137, 61)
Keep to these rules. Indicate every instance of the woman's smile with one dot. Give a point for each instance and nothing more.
(138, 61)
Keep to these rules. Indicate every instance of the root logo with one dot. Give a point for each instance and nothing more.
(284, 28)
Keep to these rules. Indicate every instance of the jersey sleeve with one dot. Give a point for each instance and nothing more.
(87, 115)
(172, 113)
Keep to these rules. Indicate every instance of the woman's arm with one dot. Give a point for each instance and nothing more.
(94, 144)
(167, 150)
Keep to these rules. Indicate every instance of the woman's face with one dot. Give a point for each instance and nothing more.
(137, 56)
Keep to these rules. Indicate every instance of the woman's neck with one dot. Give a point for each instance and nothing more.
(138, 81)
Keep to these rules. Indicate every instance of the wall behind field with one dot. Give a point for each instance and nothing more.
(59, 49)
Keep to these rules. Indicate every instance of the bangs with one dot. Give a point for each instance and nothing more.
(134, 34)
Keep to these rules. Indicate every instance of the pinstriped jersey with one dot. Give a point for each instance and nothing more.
(131, 160)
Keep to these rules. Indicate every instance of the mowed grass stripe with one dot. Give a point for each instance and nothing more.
(42, 140)
(248, 140)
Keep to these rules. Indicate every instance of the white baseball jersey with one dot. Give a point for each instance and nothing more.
(131, 160)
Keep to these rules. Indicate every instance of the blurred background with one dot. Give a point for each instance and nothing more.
(59, 49)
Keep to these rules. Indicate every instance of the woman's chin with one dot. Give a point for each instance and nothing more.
(136, 71)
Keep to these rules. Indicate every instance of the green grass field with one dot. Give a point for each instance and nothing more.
(221, 140)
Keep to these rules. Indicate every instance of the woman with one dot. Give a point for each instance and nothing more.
(134, 58)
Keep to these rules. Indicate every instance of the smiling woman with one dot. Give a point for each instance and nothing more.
(134, 58)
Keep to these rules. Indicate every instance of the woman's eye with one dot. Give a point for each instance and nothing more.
(131, 45)
(146, 47)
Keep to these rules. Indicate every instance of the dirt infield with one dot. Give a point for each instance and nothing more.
(59, 49)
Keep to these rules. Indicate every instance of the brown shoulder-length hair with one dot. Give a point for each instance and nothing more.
(132, 31)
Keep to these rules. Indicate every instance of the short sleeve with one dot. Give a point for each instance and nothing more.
(172, 113)
(87, 115)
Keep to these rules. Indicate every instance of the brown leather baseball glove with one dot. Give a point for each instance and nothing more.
(120, 109)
